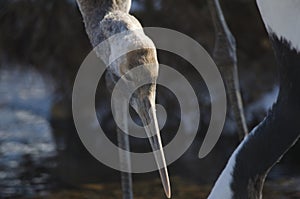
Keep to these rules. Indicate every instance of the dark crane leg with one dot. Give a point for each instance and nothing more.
(225, 57)
(125, 162)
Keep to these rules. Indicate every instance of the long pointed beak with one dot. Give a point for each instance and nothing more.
(147, 113)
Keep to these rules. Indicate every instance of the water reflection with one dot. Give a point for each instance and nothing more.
(26, 143)
(28, 152)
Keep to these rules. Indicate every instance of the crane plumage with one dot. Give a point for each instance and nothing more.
(279, 17)
(247, 168)
(103, 20)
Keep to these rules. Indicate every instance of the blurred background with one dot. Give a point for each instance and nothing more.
(42, 44)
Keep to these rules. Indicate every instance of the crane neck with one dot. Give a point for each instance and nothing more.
(247, 168)
(93, 11)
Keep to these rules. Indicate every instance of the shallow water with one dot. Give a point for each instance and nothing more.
(181, 189)
(26, 142)
(28, 155)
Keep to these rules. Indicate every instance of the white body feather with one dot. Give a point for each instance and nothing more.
(279, 16)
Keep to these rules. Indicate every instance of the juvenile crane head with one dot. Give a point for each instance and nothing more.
(132, 57)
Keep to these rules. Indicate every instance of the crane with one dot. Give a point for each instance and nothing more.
(103, 19)
(248, 166)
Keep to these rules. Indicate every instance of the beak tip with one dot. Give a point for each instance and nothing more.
(166, 186)
(168, 194)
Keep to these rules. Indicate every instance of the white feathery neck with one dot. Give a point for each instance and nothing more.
(282, 17)
(222, 187)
